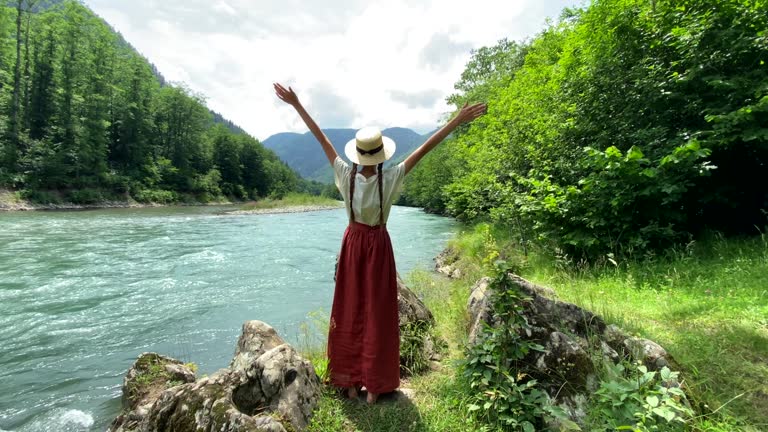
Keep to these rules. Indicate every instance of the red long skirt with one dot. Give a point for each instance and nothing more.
(364, 337)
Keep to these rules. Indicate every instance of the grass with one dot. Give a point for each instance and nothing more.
(292, 200)
(706, 303)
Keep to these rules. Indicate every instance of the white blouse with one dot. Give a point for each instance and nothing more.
(366, 199)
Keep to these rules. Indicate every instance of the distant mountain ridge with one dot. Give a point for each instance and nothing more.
(303, 153)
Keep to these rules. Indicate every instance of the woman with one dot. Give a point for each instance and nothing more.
(363, 337)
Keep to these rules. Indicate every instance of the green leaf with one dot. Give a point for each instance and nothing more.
(652, 401)
(665, 413)
(528, 427)
(665, 373)
(569, 425)
(634, 153)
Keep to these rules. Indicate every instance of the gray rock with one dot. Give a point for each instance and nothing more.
(257, 338)
(410, 308)
(609, 353)
(547, 312)
(614, 337)
(479, 308)
(444, 263)
(147, 378)
(573, 338)
(566, 361)
(653, 355)
(412, 311)
(649, 352)
(266, 383)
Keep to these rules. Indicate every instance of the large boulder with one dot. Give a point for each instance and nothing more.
(267, 386)
(257, 337)
(653, 355)
(410, 308)
(570, 336)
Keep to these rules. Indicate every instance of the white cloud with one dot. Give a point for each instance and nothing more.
(353, 62)
(222, 6)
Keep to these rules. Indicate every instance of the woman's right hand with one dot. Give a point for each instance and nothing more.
(469, 113)
(286, 95)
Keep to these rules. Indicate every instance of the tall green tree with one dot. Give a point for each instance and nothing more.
(181, 120)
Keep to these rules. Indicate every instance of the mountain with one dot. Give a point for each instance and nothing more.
(218, 118)
(303, 153)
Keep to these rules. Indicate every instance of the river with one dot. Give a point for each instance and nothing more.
(83, 293)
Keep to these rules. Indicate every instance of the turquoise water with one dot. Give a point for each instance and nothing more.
(83, 293)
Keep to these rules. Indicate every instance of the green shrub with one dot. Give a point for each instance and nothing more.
(85, 196)
(158, 196)
(40, 196)
(502, 394)
(633, 398)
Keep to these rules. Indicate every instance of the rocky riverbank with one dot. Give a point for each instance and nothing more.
(9, 201)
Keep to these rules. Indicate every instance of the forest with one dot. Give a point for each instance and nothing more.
(84, 118)
(623, 128)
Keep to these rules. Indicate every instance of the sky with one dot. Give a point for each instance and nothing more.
(353, 63)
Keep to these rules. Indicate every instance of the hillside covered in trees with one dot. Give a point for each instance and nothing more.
(625, 127)
(84, 115)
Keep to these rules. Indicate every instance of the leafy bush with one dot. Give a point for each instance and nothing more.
(157, 196)
(85, 196)
(501, 393)
(40, 196)
(208, 184)
(637, 399)
(624, 202)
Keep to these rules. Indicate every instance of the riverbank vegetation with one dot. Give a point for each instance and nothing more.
(85, 119)
(622, 163)
(706, 303)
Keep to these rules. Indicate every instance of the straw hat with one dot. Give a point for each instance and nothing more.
(369, 147)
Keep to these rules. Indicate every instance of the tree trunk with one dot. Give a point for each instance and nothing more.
(26, 71)
(14, 138)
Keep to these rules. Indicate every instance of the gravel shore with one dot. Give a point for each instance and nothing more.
(9, 203)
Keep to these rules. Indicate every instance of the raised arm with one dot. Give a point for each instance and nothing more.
(288, 96)
(467, 114)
